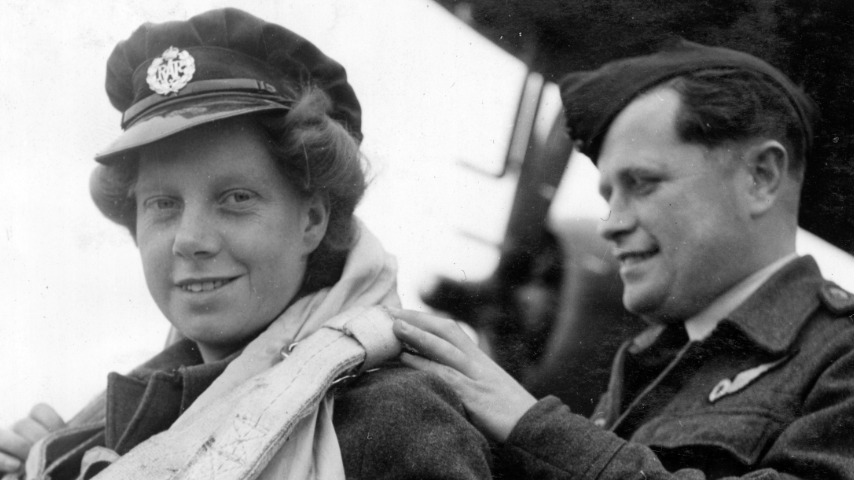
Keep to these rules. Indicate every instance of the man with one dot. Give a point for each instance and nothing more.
(747, 369)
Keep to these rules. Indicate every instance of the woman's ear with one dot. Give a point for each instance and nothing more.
(767, 165)
(316, 220)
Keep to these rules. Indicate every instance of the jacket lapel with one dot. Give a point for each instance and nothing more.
(771, 319)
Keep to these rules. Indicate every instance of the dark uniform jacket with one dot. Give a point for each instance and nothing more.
(393, 423)
(768, 395)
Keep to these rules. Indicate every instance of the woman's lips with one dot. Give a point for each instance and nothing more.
(204, 285)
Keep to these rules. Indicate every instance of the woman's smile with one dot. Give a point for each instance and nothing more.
(221, 233)
(203, 285)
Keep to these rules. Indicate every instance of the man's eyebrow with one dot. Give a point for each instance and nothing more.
(605, 186)
(640, 170)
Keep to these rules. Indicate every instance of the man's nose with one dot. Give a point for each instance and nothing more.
(619, 221)
(197, 236)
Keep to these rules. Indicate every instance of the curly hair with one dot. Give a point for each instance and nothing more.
(726, 105)
(314, 153)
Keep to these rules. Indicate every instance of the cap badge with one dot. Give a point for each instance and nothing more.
(171, 71)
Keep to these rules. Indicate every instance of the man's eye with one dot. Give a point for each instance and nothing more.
(643, 186)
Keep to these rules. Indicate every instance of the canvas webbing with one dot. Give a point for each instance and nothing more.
(236, 436)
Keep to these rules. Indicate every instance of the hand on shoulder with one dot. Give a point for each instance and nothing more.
(493, 399)
(15, 443)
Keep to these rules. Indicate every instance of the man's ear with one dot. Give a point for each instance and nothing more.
(316, 221)
(767, 165)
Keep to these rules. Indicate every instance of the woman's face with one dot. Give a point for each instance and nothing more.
(223, 238)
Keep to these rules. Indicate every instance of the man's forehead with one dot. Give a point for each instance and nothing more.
(653, 112)
(646, 125)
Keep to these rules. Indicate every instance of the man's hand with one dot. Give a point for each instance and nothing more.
(493, 399)
(15, 443)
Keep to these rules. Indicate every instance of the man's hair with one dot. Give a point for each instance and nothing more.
(314, 153)
(731, 105)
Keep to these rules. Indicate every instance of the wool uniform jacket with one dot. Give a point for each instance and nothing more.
(768, 395)
(393, 423)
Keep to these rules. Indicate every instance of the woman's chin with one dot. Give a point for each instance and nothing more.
(218, 345)
(212, 352)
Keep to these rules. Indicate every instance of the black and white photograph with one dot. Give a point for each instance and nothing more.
(400, 239)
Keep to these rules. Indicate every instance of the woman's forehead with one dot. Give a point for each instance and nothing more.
(236, 130)
(233, 150)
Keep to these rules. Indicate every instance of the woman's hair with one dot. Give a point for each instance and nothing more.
(314, 153)
(725, 105)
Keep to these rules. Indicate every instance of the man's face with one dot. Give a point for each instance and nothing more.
(678, 219)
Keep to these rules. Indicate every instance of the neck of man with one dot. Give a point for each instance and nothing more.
(703, 323)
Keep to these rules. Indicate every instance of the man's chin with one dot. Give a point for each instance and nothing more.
(650, 310)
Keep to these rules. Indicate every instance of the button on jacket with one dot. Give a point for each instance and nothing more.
(768, 395)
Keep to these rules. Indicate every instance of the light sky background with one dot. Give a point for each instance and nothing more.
(73, 298)
(74, 302)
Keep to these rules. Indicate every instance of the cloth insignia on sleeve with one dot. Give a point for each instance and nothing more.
(728, 387)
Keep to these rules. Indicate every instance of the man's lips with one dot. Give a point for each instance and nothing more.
(629, 257)
(198, 285)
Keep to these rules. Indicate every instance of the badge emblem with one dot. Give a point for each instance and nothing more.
(727, 387)
(171, 71)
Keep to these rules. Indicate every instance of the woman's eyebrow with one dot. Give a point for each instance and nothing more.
(229, 179)
(150, 184)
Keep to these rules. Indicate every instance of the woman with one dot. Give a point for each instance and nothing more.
(237, 175)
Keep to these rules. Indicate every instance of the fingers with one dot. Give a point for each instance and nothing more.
(456, 380)
(431, 346)
(419, 363)
(30, 430)
(494, 401)
(13, 449)
(443, 328)
(8, 463)
(46, 416)
(15, 443)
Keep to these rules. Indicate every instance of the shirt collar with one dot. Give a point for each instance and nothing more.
(701, 325)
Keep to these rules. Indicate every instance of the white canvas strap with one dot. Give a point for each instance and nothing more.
(236, 436)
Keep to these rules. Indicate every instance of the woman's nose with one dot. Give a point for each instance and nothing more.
(196, 236)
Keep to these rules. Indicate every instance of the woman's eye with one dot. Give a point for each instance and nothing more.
(161, 204)
(238, 197)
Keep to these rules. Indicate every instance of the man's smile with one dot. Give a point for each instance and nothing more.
(631, 257)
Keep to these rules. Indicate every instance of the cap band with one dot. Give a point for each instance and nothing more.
(205, 86)
(213, 69)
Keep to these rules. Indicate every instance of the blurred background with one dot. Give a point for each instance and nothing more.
(473, 186)
(74, 302)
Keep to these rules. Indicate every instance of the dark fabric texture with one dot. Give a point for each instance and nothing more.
(393, 423)
(401, 423)
(792, 421)
(592, 99)
(267, 52)
(641, 368)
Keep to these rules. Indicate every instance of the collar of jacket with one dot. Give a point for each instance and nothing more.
(151, 397)
(772, 317)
